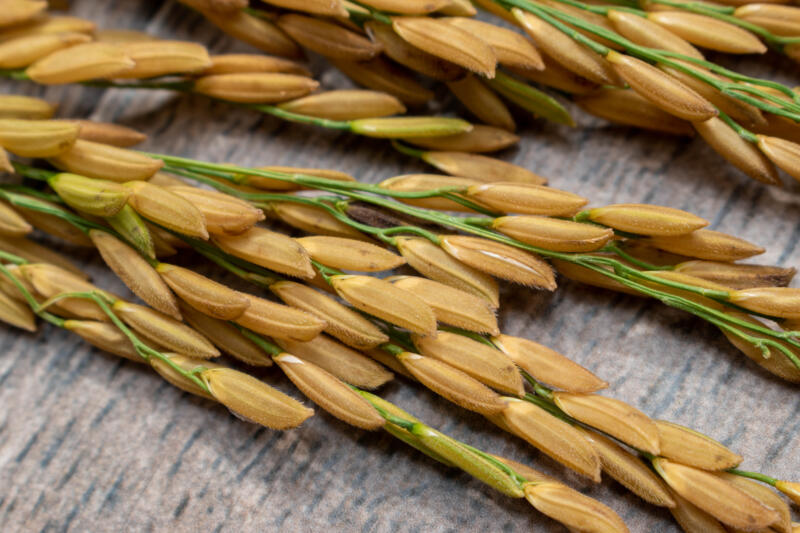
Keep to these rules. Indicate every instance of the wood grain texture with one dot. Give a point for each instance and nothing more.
(92, 443)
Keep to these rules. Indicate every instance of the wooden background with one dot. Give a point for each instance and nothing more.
(92, 443)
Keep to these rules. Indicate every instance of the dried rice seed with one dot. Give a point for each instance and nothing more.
(382, 75)
(783, 302)
(345, 363)
(784, 154)
(37, 138)
(572, 508)
(510, 48)
(587, 16)
(482, 102)
(693, 519)
(268, 249)
(327, 391)
(459, 8)
(106, 337)
(108, 133)
(164, 331)
(432, 262)
(613, 417)
(558, 77)
(20, 11)
(714, 495)
(470, 462)
(255, 87)
(738, 276)
(204, 294)
(500, 260)
(16, 313)
(279, 321)
(103, 161)
(176, 379)
(101, 198)
(36, 253)
(777, 363)
(548, 366)
(553, 233)
(25, 107)
(644, 219)
(453, 384)
(121, 36)
(662, 90)
(12, 224)
(707, 244)
(223, 213)
(791, 490)
(385, 301)
(527, 198)
(408, 7)
(341, 322)
(49, 24)
(54, 225)
(564, 50)
(642, 31)
(49, 280)
(349, 254)
(778, 26)
(448, 42)
(408, 127)
(624, 106)
(254, 400)
(242, 63)
(709, 32)
(11, 289)
(226, 337)
(327, 38)
(346, 105)
(743, 113)
(766, 496)
(166, 208)
(137, 274)
(255, 31)
(451, 306)
(554, 437)
(81, 62)
(314, 220)
(480, 167)
(426, 182)
(630, 471)
(159, 58)
(24, 51)
(478, 140)
(418, 60)
(489, 366)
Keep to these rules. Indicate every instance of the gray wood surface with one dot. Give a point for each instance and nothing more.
(92, 443)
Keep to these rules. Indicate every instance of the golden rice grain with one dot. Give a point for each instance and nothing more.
(255, 87)
(738, 276)
(558, 77)
(103, 161)
(16, 313)
(254, 400)
(382, 75)
(527, 198)
(652, 220)
(642, 31)
(137, 274)
(24, 51)
(269, 249)
(105, 336)
(783, 302)
(510, 48)
(349, 254)
(96, 197)
(556, 438)
(553, 233)
(175, 378)
(709, 32)
(49, 24)
(37, 138)
(482, 102)
(405, 127)
(202, 293)
(164, 331)
(12, 224)
(327, 38)
(168, 209)
(427, 182)
(25, 107)
(408, 7)
(346, 105)
(341, 322)
(81, 62)
(448, 42)
(36, 253)
(478, 140)
(777, 363)
(488, 365)
(108, 133)
(241, 63)
(707, 244)
(501, 260)
(613, 417)
(279, 321)
(451, 306)
(20, 11)
(117, 35)
(784, 154)
(453, 384)
(686, 446)
(432, 262)
(159, 58)
(223, 213)
(766, 496)
(48, 281)
(383, 300)
(573, 509)
(693, 519)
(327, 391)
(548, 366)
(255, 31)
(54, 225)
(791, 490)
(625, 106)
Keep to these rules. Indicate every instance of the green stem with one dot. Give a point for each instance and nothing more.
(758, 476)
